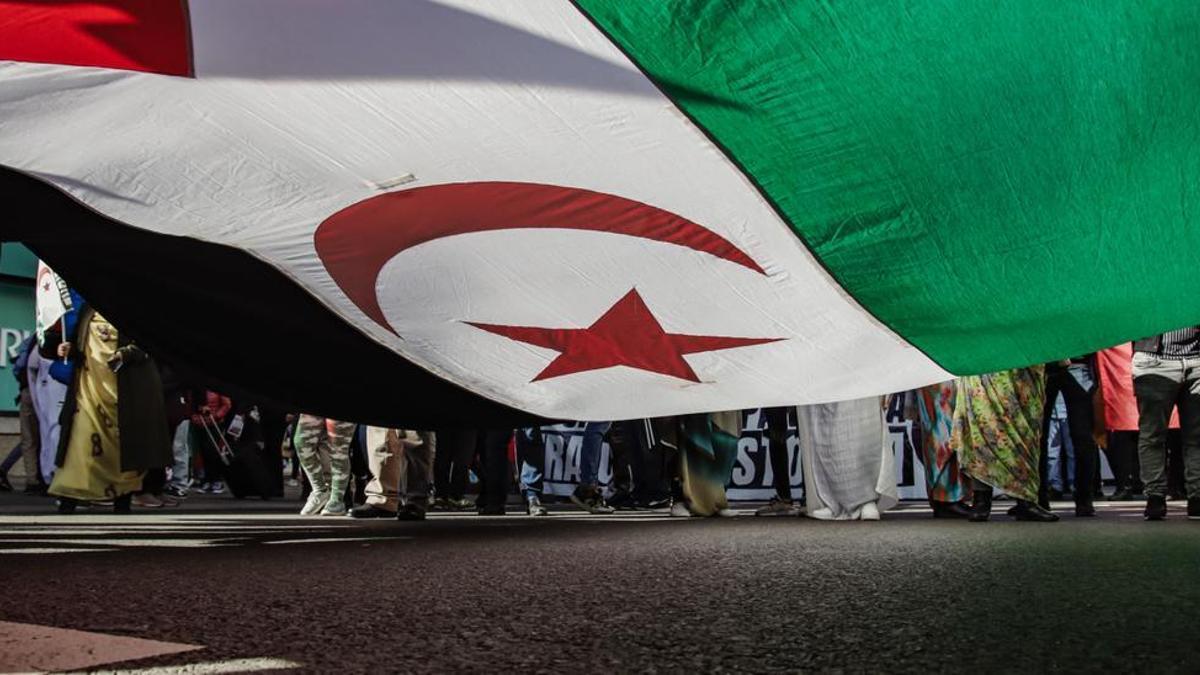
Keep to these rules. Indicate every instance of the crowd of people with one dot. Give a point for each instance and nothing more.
(1033, 434)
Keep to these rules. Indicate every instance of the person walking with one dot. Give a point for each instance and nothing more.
(317, 436)
(1166, 374)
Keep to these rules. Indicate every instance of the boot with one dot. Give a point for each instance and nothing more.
(981, 505)
(1032, 512)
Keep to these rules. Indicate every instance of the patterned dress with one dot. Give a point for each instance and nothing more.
(998, 429)
(944, 478)
(91, 467)
(708, 447)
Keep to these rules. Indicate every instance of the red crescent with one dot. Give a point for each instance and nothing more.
(355, 243)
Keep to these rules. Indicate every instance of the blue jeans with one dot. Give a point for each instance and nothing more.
(531, 456)
(1059, 451)
(589, 454)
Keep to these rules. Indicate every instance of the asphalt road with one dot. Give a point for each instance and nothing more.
(627, 593)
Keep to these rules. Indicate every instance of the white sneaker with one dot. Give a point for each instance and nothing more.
(869, 512)
(823, 513)
(726, 513)
(680, 510)
(335, 507)
(316, 501)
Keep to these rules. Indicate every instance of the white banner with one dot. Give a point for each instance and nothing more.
(53, 299)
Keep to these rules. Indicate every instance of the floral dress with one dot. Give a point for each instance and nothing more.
(998, 429)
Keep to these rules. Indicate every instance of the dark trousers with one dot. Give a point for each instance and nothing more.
(274, 427)
(637, 470)
(495, 470)
(1122, 459)
(776, 435)
(456, 449)
(1080, 420)
(154, 481)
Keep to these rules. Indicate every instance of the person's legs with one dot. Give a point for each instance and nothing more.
(310, 434)
(1055, 436)
(622, 443)
(1081, 419)
(1156, 383)
(777, 446)
(31, 436)
(589, 454)
(588, 495)
(1189, 423)
(531, 456)
(497, 474)
(181, 458)
(1175, 472)
(13, 457)
(337, 438)
(455, 448)
(383, 491)
(418, 460)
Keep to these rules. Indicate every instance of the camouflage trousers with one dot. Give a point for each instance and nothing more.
(317, 437)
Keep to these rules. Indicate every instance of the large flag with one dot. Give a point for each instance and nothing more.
(600, 209)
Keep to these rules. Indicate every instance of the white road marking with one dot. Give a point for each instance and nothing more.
(331, 539)
(257, 665)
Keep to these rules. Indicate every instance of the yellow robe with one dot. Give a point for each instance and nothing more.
(91, 469)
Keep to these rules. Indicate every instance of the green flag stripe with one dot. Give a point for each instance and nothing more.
(1001, 183)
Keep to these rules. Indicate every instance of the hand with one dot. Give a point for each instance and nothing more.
(1101, 438)
(64, 350)
(205, 410)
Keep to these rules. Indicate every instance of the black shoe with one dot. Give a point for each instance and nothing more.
(1194, 508)
(588, 498)
(5, 486)
(1085, 511)
(35, 489)
(1030, 512)
(411, 512)
(623, 501)
(371, 511)
(1122, 495)
(1156, 507)
(123, 504)
(1055, 495)
(654, 504)
(981, 506)
(491, 511)
(67, 505)
(956, 510)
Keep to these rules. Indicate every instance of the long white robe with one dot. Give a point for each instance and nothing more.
(847, 459)
(48, 396)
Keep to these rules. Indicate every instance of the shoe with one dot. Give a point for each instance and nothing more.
(680, 510)
(176, 491)
(462, 504)
(1156, 507)
(5, 486)
(123, 504)
(623, 501)
(1085, 511)
(654, 504)
(588, 498)
(35, 488)
(371, 511)
(411, 512)
(217, 488)
(533, 507)
(66, 505)
(1193, 508)
(981, 506)
(316, 502)
(1055, 495)
(779, 507)
(870, 511)
(725, 513)
(823, 513)
(335, 507)
(1122, 495)
(491, 511)
(1031, 512)
(169, 501)
(147, 501)
(957, 510)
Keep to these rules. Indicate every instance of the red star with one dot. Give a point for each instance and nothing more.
(626, 335)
